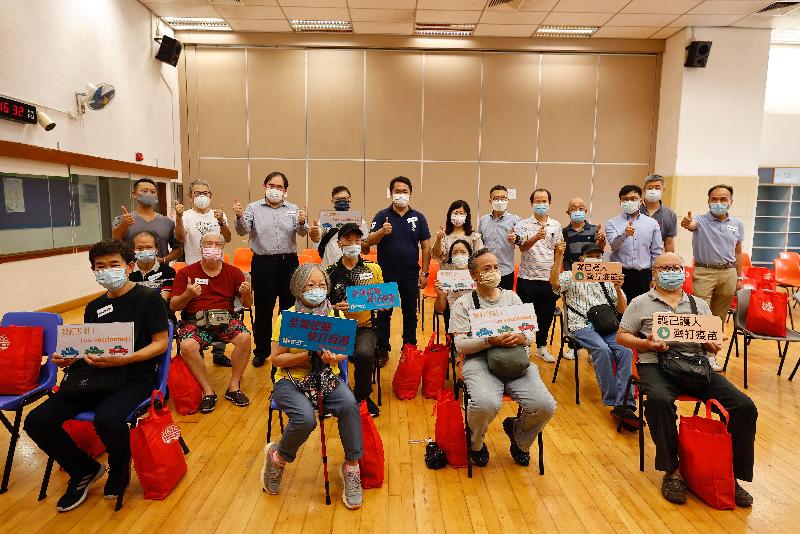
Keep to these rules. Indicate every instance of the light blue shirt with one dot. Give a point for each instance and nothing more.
(714, 241)
(495, 238)
(271, 230)
(639, 250)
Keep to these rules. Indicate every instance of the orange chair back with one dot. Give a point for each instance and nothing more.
(313, 253)
(243, 259)
(794, 256)
(433, 273)
(746, 263)
(787, 272)
(226, 258)
(178, 265)
(516, 275)
(305, 258)
(372, 256)
(785, 255)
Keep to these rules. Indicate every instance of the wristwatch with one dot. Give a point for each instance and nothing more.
(424, 274)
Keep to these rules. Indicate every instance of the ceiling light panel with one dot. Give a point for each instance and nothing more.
(196, 24)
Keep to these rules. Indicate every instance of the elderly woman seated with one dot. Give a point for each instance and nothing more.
(299, 374)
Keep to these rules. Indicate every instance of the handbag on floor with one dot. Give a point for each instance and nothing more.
(372, 461)
(156, 450)
(437, 358)
(184, 391)
(449, 430)
(705, 451)
(408, 374)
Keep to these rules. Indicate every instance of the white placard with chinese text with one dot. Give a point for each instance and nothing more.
(488, 322)
(96, 339)
(334, 219)
(455, 280)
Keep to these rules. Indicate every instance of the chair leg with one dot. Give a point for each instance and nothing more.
(696, 408)
(12, 447)
(380, 389)
(541, 454)
(625, 396)
(48, 470)
(280, 419)
(183, 445)
(577, 377)
(558, 363)
(791, 376)
(782, 355)
(735, 341)
(422, 312)
(467, 432)
(641, 431)
(269, 425)
(745, 361)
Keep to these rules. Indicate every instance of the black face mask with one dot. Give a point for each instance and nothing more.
(341, 205)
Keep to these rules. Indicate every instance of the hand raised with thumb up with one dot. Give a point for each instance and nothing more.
(238, 208)
(689, 223)
(630, 230)
(127, 218)
(387, 227)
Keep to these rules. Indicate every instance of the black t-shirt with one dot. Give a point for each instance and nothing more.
(123, 310)
(398, 252)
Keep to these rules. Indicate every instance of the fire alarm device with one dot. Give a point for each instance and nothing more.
(139, 156)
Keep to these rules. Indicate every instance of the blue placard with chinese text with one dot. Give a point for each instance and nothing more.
(373, 297)
(317, 332)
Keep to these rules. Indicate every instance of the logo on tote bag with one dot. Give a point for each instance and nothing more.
(4, 343)
(767, 307)
(170, 433)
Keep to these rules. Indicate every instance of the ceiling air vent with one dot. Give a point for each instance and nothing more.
(780, 8)
(513, 3)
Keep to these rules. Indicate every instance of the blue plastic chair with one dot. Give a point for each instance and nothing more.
(47, 378)
(162, 372)
(343, 373)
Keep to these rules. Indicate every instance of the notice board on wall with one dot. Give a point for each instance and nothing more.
(28, 201)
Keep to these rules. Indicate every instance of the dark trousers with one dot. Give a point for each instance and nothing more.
(540, 294)
(44, 422)
(661, 416)
(507, 281)
(636, 282)
(409, 293)
(270, 278)
(363, 359)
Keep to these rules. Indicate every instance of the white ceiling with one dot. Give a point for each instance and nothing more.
(637, 19)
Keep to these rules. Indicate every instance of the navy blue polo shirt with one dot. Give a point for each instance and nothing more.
(398, 252)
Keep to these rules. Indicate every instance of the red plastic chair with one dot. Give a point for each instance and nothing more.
(688, 284)
(516, 275)
(429, 292)
(787, 272)
(243, 259)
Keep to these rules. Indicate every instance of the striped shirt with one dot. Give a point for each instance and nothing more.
(580, 296)
(536, 262)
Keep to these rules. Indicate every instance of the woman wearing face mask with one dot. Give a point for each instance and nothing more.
(191, 224)
(458, 258)
(458, 226)
(297, 373)
(145, 217)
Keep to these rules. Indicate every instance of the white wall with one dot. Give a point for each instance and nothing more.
(780, 138)
(50, 52)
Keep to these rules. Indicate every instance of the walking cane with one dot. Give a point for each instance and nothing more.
(322, 432)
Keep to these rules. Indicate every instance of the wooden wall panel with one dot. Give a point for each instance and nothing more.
(378, 175)
(323, 176)
(221, 110)
(607, 181)
(439, 191)
(516, 176)
(228, 179)
(564, 182)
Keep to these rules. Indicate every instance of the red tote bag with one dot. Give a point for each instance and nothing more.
(85, 437)
(437, 357)
(372, 461)
(706, 458)
(408, 375)
(156, 450)
(766, 314)
(449, 433)
(20, 358)
(184, 391)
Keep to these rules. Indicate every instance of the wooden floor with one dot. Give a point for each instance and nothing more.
(592, 480)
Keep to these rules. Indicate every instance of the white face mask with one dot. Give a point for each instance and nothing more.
(401, 199)
(458, 220)
(629, 207)
(201, 201)
(652, 195)
(460, 260)
(592, 260)
(500, 205)
(351, 251)
(274, 195)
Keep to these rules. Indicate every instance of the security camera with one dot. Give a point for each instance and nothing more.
(44, 121)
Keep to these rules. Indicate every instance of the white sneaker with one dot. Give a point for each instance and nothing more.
(544, 354)
(712, 360)
(569, 354)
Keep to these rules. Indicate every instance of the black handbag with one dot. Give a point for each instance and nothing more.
(689, 371)
(83, 380)
(603, 317)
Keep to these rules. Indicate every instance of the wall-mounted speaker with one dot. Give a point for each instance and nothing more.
(169, 50)
(697, 54)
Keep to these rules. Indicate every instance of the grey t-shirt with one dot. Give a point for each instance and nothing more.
(638, 319)
(666, 219)
(163, 227)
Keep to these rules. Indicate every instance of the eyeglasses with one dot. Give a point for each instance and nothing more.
(499, 199)
(671, 268)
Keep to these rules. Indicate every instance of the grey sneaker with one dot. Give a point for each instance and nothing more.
(352, 494)
(272, 471)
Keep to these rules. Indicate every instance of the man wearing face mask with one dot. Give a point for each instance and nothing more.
(486, 390)
(147, 271)
(579, 231)
(611, 361)
(652, 206)
(636, 332)
(635, 241)
(123, 302)
(328, 244)
(497, 231)
(145, 217)
(272, 224)
(352, 270)
(399, 231)
(204, 293)
(539, 234)
(717, 248)
(192, 224)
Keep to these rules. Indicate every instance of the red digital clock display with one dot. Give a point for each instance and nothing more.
(17, 111)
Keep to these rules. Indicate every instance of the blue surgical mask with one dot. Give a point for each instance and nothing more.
(629, 207)
(718, 208)
(146, 256)
(577, 216)
(112, 278)
(341, 205)
(315, 296)
(147, 199)
(541, 209)
(670, 280)
(351, 251)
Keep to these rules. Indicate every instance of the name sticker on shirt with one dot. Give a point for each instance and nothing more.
(105, 310)
(201, 281)
(365, 276)
(291, 213)
(733, 228)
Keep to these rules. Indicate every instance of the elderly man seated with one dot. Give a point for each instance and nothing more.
(486, 388)
(604, 351)
(204, 292)
(636, 332)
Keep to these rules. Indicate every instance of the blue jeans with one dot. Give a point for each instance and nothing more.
(603, 350)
